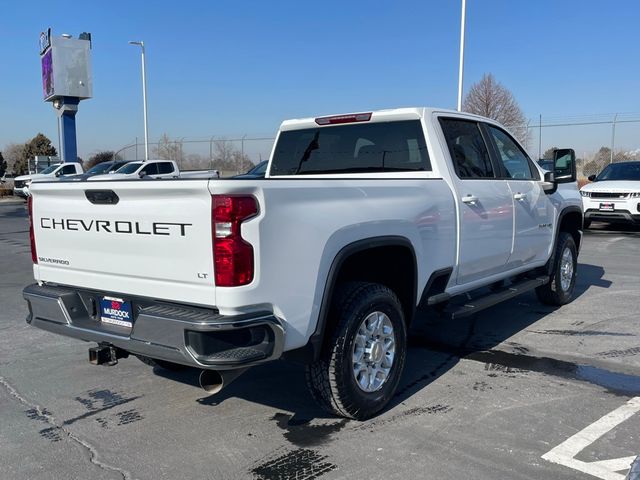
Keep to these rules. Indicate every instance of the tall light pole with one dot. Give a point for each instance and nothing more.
(144, 100)
(461, 67)
(613, 137)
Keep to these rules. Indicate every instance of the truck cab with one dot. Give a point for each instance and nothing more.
(150, 169)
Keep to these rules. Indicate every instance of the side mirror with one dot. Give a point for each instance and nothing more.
(58, 173)
(142, 174)
(564, 163)
(549, 184)
(591, 178)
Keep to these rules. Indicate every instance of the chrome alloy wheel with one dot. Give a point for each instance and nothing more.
(566, 270)
(373, 352)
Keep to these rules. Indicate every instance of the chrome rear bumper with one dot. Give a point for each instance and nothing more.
(182, 334)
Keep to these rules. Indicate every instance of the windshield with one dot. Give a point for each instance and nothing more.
(620, 171)
(129, 168)
(49, 169)
(100, 168)
(259, 169)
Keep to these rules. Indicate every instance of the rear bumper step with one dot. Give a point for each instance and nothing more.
(176, 333)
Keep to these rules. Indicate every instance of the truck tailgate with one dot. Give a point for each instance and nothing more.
(144, 238)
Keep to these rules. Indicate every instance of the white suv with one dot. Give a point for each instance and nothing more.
(614, 195)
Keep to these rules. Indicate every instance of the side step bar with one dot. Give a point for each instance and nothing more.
(475, 305)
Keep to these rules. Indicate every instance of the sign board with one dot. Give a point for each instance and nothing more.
(66, 67)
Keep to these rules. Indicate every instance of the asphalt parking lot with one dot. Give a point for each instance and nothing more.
(520, 391)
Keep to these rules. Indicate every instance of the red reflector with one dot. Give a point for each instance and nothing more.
(356, 117)
(232, 256)
(32, 237)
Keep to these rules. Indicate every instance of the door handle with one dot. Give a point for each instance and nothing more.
(520, 196)
(470, 199)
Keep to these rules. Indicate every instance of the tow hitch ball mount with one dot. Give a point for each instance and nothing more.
(106, 354)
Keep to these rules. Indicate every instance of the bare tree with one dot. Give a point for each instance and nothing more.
(491, 99)
(3, 165)
(168, 149)
(13, 154)
(99, 157)
(227, 157)
(548, 153)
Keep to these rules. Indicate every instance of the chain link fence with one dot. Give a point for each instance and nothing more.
(230, 156)
(597, 139)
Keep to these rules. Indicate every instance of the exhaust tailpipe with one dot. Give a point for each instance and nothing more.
(212, 381)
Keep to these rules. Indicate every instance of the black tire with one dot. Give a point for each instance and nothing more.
(155, 362)
(331, 378)
(586, 224)
(552, 293)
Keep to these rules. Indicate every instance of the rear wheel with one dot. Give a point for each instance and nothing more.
(559, 290)
(361, 363)
(154, 362)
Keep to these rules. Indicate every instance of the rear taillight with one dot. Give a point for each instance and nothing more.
(32, 237)
(233, 256)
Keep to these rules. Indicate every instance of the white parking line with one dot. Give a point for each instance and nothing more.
(564, 454)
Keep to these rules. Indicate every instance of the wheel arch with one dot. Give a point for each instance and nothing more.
(355, 262)
(571, 221)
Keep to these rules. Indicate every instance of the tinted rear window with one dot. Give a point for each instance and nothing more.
(165, 167)
(356, 148)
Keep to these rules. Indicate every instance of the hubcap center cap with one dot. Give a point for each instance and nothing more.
(375, 352)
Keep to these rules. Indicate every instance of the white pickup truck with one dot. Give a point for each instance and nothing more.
(154, 169)
(22, 183)
(362, 219)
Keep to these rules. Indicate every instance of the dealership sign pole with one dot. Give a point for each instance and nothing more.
(66, 79)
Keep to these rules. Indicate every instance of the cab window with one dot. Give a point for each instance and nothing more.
(150, 169)
(515, 162)
(468, 151)
(67, 170)
(165, 167)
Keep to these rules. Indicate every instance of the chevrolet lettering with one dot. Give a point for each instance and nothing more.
(117, 226)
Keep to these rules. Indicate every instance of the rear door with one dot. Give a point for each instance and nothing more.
(485, 202)
(532, 207)
(131, 237)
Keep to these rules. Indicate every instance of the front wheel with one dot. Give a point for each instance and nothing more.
(361, 363)
(559, 290)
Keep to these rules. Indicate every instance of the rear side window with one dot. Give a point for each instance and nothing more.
(468, 151)
(165, 167)
(364, 147)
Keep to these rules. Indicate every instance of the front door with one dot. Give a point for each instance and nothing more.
(532, 207)
(485, 215)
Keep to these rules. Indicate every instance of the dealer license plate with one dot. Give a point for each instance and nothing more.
(116, 311)
(607, 207)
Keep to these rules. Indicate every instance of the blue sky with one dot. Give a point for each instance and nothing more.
(230, 68)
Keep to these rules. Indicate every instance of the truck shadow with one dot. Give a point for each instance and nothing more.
(13, 210)
(436, 345)
(621, 229)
